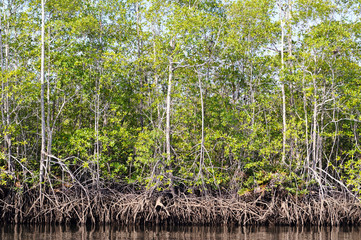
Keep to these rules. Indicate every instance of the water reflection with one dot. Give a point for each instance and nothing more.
(52, 232)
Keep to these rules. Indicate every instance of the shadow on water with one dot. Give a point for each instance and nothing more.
(66, 232)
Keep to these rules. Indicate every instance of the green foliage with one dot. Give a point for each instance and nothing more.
(5, 177)
(352, 170)
(107, 72)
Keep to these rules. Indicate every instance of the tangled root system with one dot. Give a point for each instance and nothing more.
(112, 206)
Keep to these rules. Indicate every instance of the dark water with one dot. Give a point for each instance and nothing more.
(42, 232)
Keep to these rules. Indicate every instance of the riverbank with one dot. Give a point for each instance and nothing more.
(271, 207)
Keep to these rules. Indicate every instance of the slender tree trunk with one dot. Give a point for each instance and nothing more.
(97, 114)
(168, 131)
(169, 92)
(158, 124)
(251, 87)
(43, 127)
(314, 133)
(96, 129)
(49, 129)
(6, 109)
(335, 138)
(307, 164)
(320, 138)
(201, 160)
(284, 126)
(140, 72)
(293, 141)
(2, 80)
(156, 79)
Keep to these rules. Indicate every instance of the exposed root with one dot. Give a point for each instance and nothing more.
(110, 206)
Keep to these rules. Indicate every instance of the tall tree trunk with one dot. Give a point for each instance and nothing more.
(140, 72)
(307, 164)
(284, 126)
(49, 116)
(6, 112)
(43, 127)
(156, 79)
(167, 130)
(201, 159)
(2, 80)
(320, 138)
(96, 129)
(293, 141)
(314, 133)
(97, 150)
(169, 92)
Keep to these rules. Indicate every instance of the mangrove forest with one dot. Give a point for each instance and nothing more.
(180, 111)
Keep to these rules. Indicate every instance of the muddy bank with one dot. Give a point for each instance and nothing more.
(78, 205)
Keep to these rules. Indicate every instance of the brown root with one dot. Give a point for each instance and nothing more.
(112, 206)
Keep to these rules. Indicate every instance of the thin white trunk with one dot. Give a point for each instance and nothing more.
(140, 72)
(96, 129)
(320, 139)
(167, 130)
(96, 120)
(43, 127)
(49, 130)
(2, 68)
(314, 134)
(201, 160)
(155, 91)
(3, 112)
(156, 78)
(6, 110)
(284, 126)
(293, 149)
(307, 164)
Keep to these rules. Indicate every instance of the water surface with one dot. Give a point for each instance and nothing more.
(51, 232)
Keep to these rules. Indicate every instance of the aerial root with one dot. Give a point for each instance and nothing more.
(125, 208)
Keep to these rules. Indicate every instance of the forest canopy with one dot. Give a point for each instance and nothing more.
(207, 96)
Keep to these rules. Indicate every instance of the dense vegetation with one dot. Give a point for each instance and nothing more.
(203, 97)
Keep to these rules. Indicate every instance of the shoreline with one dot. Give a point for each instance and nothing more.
(111, 206)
